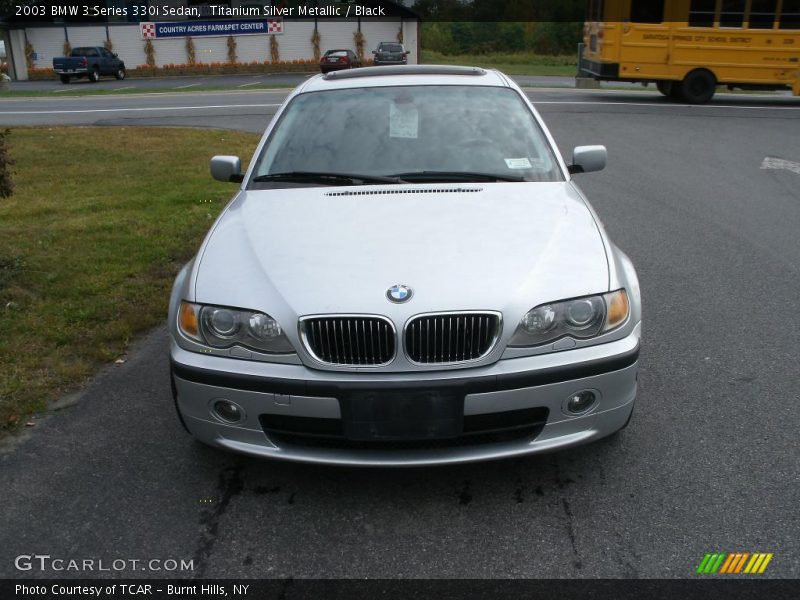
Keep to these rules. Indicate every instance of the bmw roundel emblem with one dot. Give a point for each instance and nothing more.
(399, 293)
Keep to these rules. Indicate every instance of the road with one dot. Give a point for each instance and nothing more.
(153, 84)
(709, 462)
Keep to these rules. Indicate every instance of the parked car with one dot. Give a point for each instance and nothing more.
(334, 60)
(390, 287)
(390, 53)
(91, 62)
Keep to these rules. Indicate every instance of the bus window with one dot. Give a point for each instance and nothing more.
(596, 10)
(732, 13)
(762, 14)
(647, 11)
(701, 13)
(790, 16)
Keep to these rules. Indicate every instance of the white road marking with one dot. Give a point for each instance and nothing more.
(662, 105)
(140, 109)
(138, 95)
(780, 163)
(130, 87)
(246, 84)
(665, 105)
(183, 87)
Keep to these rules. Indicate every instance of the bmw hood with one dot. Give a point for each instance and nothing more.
(498, 246)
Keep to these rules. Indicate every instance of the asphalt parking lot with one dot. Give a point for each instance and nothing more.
(709, 462)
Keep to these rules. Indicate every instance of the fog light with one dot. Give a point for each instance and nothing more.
(580, 402)
(228, 411)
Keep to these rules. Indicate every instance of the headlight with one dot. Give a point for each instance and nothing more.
(223, 327)
(581, 318)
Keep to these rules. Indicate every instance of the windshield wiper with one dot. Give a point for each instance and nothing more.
(341, 178)
(456, 176)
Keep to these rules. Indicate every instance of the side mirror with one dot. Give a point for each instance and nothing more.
(115, 56)
(586, 159)
(407, 52)
(227, 168)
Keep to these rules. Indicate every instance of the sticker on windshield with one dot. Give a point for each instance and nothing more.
(403, 121)
(518, 163)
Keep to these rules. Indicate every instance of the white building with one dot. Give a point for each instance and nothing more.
(47, 35)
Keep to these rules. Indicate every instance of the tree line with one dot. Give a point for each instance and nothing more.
(485, 26)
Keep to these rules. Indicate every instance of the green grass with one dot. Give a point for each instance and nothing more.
(520, 63)
(88, 91)
(101, 221)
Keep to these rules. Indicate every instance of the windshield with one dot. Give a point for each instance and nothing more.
(386, 131)
(390, 48)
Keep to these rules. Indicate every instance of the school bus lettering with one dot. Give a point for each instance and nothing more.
(689, 47)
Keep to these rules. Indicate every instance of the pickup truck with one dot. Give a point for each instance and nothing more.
(91, 62)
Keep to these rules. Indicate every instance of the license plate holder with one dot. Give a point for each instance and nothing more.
(399, 415)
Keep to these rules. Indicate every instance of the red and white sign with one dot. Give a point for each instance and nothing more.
(148, 30)
(275, 26)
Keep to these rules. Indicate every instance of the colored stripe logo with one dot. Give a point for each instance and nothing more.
(734, 563)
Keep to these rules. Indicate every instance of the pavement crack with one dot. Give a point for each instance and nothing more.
(465, 495)
(571, 532)
(561, 483)
(519, 493)
(230, 484)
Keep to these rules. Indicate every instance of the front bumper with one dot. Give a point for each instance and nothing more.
(532, 387)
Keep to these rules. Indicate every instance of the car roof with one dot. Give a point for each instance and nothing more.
(406, 75)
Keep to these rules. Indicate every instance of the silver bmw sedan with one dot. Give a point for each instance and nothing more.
(407, 275)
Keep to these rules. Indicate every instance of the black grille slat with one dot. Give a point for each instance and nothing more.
(356, 341)
(480, 429)
(457, 337)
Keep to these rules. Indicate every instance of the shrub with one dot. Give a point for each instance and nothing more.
(191, 57)
(216, 68)
(41, 73)
(150, 53)
(67, 48)
(29, 52)
(231, 43)
(6, 162)
(315, 40)
(274, 49)
(359, 40)
(108, 45)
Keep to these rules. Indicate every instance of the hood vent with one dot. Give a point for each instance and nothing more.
(392, 192)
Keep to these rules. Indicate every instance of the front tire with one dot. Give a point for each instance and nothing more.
(64, 79)
(120, 74)
(94, 76)
(698, 86)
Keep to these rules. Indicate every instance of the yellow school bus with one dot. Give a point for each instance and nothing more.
(688, 47)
